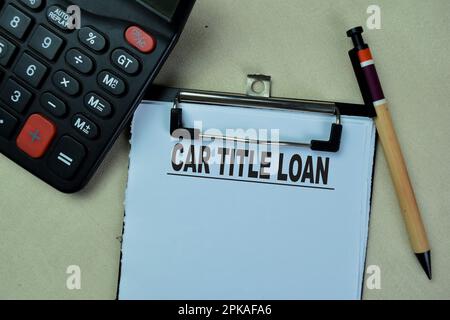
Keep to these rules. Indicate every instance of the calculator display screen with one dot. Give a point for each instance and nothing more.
(166, 8)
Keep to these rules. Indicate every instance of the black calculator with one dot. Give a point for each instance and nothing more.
(71, 75)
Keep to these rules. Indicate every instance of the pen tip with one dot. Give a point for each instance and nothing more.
(425, 262)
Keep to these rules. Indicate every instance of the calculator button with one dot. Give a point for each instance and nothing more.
(46, 43)
(140, 39)
(84, 126)
(125, 61)
(36, 136)
(67, 157)
(97, 105)
(66, 83)
(111, 83)
(15, 96)
(33, 4)
(92, 39)
(8, 124)
(15, 22)
(7, 50)
(58, 17)
(30, 70)
(53, 104)
(79, 61)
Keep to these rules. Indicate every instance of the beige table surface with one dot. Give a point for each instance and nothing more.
(303, 46)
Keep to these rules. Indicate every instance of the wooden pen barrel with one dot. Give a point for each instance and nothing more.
(402, 182)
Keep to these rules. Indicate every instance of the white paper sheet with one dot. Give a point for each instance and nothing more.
(212, 235)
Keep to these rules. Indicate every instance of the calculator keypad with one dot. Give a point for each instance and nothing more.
(15, 96)
(32, 4)
(15, 22)
(97, 105)
(53, 104)
(46, 43)
(92, 39)
(125, 61)
(66, 83)
(85, 127)
(7, 50)
(30, 70)
(58, 17)
(36, 136)
(79, 61)
(63, 92)
(67, 157)
(111, 83)
(8, 124)
(140, 39)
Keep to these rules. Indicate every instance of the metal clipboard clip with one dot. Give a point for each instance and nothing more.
(258, 96)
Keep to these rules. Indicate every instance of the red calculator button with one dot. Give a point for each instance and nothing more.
(36, 136)
(140, 39)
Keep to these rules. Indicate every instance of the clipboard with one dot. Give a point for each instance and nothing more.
(197, 235)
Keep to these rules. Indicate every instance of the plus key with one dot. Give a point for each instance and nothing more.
(36, 136)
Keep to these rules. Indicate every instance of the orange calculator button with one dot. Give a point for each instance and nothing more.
(36, 136)
(140, 39)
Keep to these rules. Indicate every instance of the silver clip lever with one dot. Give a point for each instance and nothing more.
(256, 102)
